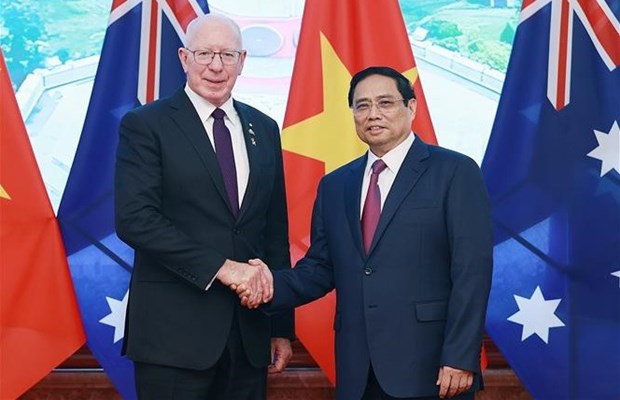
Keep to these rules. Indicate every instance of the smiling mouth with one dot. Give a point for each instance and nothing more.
(214, 82)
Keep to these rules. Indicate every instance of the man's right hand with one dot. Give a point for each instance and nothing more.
(253, 283)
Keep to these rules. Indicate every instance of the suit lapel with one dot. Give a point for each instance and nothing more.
(186, 117)
(410, 172)
(352, 196)
(251, 144)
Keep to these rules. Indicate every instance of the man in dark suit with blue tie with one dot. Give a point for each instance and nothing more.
(403, 234)
(199, 191)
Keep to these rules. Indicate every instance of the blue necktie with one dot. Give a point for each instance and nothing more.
(226, 158)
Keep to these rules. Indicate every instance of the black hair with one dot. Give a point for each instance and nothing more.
(402, 83)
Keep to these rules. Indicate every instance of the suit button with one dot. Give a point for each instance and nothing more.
(368, 271)
(236, 231)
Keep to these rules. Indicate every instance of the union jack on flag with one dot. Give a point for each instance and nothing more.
(599, 22)
(138, 64)
(552, 168)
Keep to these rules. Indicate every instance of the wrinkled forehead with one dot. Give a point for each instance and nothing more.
(375, 87)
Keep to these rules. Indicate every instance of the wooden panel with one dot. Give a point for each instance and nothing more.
(81, 378)
(292, 384)
(69, 385)
(83, 358)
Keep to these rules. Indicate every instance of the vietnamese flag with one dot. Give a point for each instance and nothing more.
(337, 39)
(40, 323)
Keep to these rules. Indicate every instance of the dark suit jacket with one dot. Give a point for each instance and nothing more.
(172, 208)
(418, 300)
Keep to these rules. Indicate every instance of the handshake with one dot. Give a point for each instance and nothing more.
(253, 282)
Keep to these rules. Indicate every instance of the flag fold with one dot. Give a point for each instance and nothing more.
(552, 167)
(40, 323)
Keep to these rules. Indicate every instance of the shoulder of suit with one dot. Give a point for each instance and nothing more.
(344, 170)
(158, 106)
(442, 154)
(438, 151)
(250, 111)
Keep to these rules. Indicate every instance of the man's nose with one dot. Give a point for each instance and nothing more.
(216, 63)
(374, 111)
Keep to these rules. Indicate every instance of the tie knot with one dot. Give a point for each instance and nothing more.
(218, 113)
(378, 166)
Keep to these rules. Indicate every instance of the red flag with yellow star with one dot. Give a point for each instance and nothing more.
(40, 323)
(338, 39)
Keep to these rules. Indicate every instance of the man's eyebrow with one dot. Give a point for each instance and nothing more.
(380, 97)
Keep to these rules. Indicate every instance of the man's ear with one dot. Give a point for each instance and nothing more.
(183, 58)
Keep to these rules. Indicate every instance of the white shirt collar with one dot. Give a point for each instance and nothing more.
(393, 158)
(204, 108)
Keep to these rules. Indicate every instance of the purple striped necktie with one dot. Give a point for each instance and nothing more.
(372, 205)
(226, 158)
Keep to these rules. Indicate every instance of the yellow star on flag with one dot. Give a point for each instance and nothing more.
(328, 136)
(4, 194)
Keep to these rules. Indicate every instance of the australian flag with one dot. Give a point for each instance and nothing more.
(138, 64)
(552, 167)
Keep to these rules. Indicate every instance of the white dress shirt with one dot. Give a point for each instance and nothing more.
(233, 123)
(393, 159)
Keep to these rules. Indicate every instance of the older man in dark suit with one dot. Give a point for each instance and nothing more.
(403, 234)
(199, 191)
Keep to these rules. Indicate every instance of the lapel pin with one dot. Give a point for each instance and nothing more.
(252, 136)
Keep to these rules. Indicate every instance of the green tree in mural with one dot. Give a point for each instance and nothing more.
(508, 34)
(441, 29)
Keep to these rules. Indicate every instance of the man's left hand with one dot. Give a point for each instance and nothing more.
(281, 353)
(453, 381)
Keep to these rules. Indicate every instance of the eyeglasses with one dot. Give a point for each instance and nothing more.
(205, 57)
(384, 106)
